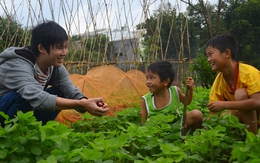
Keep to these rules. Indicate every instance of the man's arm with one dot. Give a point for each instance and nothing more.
(61, 80)
(90, 105)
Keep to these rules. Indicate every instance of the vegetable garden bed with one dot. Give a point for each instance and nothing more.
(122, 138)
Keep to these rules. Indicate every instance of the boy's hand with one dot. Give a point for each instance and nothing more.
(190, 82)
(216, 106)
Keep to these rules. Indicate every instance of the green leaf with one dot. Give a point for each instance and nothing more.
(62, 158)
(63, 144)
(75, 159)
(108, 154)
(165, 160)
(43, 134)
(250, 137)
(89, 154)
(122, 140)
(5, 116)
(35, 150)
(178, 156)
(121, 127)
(216, 142)
(52, 159)
(3, 153)
(254, 161)
(5, 142)
(196, 157)
(169, 149)
(57, 152)
(23, 140)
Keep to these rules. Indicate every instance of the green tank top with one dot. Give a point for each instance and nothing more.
(171, 108)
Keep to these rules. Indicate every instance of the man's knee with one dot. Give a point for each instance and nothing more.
(195, 115)
(10, 103)
(13, 101)
(241, 94)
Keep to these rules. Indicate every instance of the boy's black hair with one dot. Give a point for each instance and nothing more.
(164, 69)
(223, 42)
(48, 33)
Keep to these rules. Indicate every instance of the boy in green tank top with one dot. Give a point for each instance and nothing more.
(164, 98)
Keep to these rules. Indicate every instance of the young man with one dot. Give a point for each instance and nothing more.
(236, 87)
(164, 98)
(26, 73)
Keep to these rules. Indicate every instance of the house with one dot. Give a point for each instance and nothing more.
(126, 45)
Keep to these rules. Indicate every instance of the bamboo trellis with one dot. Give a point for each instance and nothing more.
(89, 19)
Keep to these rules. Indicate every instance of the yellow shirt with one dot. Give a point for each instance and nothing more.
(248, 77)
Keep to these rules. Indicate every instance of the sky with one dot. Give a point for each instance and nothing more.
(80, 16)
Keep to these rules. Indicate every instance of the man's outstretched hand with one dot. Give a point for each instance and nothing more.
(95, 106)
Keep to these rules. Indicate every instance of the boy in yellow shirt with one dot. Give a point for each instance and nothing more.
(237, 85)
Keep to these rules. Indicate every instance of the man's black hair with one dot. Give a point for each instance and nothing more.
(223, 42)
(49, 34)
(164, 69)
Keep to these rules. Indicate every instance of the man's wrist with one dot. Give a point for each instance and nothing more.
(83, 98)
(79, 109)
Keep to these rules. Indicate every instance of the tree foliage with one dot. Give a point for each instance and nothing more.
(244, 25)
(89, 49)
(12, 33)
(202, 71)
(166, 36)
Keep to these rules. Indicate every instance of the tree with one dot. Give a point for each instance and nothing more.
(205, 10)
(202, 72)
(207, 20)
(11, 33)
(229, 11)
(166, 36)
(243, 23)
(96, 47)
(89, 49)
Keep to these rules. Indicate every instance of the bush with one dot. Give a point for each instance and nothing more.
(202, 71)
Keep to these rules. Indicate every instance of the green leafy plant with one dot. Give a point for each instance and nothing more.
(122, 138)
(202, 71)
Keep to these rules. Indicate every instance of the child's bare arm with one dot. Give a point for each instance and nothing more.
(143, 112)
(190, 85)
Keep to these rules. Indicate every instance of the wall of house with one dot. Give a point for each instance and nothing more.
(126, 50)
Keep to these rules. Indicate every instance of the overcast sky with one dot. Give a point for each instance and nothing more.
(79, 16)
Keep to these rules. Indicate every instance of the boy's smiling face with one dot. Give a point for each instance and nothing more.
(153, 82)
(216, 59)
